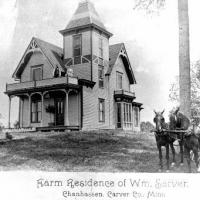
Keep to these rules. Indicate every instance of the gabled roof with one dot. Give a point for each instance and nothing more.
(85, 15)
(116, 51)
(53, 54)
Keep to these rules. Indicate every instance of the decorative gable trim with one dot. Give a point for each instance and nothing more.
(124, 56)
(32, 48)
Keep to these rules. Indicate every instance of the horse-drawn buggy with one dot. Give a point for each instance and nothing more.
(181, 129)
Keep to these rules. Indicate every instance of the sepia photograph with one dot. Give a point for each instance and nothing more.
(98, 86)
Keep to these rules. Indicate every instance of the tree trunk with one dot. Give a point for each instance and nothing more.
(184, 58)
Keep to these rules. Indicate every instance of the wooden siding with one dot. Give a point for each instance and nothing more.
(25, 111)
(73, 109)
(91, 96)
(37, 59)
(86, 49)
(91, 101)
(96, 37)
(82, 71)
(67, 46)
(119, 66)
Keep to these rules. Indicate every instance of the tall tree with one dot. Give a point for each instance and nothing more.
(195, 91)
(184, 49)
(184, 58)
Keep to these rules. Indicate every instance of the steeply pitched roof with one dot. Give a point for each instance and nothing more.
(85, 15)
(53, 53)
(114, 53)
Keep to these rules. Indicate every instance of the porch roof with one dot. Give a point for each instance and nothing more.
(137, 104)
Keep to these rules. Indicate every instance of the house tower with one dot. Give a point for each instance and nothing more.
(86, 42)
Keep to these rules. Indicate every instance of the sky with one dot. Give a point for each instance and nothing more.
(151, 42)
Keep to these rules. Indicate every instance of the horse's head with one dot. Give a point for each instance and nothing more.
(172, 121)
(159, 120)
(178, 120)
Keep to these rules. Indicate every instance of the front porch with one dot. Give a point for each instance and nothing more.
(55, 106)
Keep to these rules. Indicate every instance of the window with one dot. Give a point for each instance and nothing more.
(101, 76)
(127, 115)
(77, 45)
(136, 118)
(100, 47)
(119, 80)
(119, 117)
(36, 111)
(101, 110)
(36, 73)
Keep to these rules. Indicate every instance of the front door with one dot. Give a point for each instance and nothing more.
(59, 104)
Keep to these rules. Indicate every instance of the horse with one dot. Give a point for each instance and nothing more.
(163, 139)
(177, 121)
(190, 141)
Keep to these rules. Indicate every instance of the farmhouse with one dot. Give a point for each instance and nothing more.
(84, 85)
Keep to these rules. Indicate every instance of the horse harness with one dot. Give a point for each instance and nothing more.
(181, 136)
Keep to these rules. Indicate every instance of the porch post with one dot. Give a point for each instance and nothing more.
(139, 116)
(42, 105)
(9, 111)
(21, 112)
(29, 97)
(66, 108)
(122, 114)
(132, 116)
(79, 109)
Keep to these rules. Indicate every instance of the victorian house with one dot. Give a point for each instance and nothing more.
(84, 85)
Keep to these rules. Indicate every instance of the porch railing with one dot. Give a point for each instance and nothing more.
(124, 92)
(41, 83)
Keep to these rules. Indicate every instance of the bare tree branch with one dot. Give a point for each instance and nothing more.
(148, 4)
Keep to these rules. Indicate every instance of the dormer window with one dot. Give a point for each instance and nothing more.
(77, 45)
(119, 80)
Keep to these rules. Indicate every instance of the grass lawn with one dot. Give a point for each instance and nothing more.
(83, 151)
